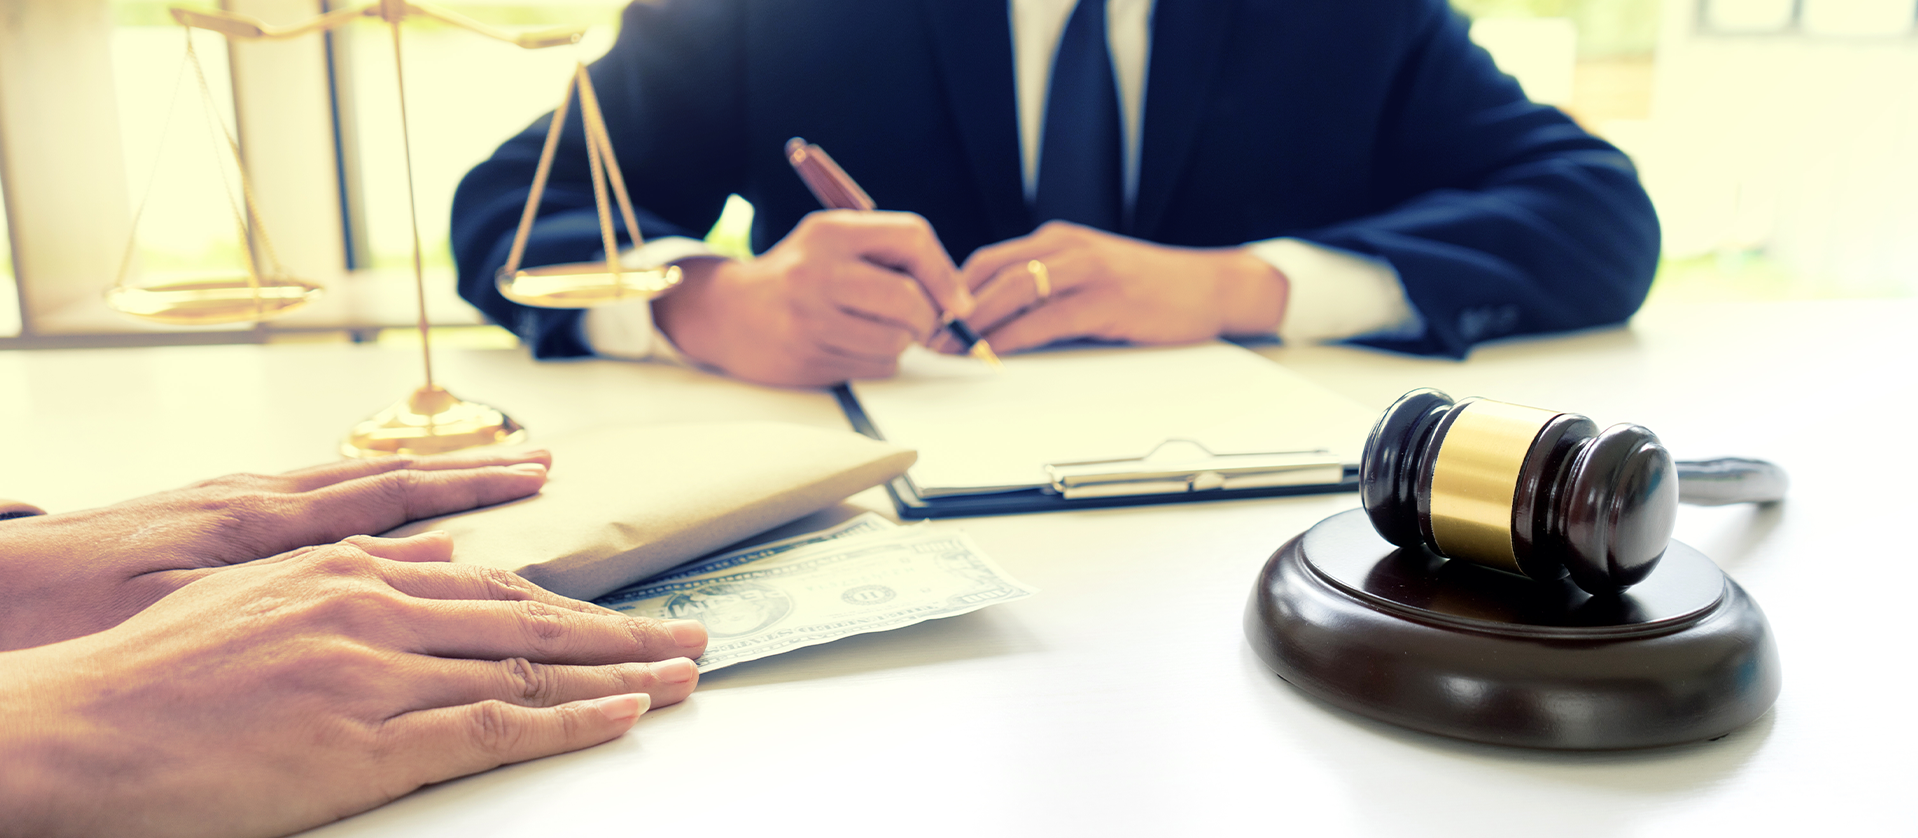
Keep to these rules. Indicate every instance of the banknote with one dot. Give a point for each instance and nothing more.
(869, 522)
(821, 590)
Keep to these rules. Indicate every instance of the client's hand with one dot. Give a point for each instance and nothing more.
(293, 691)
(1116, 288)
(839, 298)
(71, 574)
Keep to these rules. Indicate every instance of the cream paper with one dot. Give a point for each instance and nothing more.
(625, 503)
(980, 430)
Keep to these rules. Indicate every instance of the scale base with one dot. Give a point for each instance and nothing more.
(431, 421)
(1406, 637)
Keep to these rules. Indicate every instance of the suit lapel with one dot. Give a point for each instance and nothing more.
(973, 43)
(1187, 39)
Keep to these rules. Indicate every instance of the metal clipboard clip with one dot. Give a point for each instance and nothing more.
(1183, 465)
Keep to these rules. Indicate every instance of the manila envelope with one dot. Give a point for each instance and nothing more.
(625, 503)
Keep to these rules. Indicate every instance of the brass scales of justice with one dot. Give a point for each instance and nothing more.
(431, 419)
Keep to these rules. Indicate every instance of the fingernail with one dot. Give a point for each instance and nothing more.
(528, 468)
(622, 709)
(687, 632)
(676, 671)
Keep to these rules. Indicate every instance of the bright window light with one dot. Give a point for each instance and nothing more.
(1541, 53)
(1867, 18)
(9, 291)
(1740, 16)
(465, 95)
(173, 145)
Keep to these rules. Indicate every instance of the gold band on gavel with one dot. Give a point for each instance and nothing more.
(1475, 480)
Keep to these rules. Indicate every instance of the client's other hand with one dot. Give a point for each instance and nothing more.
(71, 574)
(293, 691)
(1112, 287)
(838, 298)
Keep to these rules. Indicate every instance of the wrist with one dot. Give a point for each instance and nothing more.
(35, 783)
(39, 574)
(689, 316)
(1251, 293)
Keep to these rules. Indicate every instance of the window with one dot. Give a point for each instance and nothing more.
(331, 196)
(129, 119)
(173, 150)
(9, 291)
(465, 94)
(1770, 133)
(1837, 18)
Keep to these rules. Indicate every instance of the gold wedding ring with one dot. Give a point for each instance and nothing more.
(1041, 279)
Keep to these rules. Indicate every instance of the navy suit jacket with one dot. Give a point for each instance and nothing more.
(1372, 126)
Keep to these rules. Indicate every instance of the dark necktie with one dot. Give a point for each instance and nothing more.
(1079, 154)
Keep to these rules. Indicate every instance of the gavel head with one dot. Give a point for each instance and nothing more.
(1530, 491)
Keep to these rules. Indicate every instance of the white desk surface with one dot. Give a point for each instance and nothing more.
(1123, 698)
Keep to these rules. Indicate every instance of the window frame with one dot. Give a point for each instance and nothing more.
(66, 184)
(1793, 28)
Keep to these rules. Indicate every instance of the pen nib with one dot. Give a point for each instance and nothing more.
(984, 353)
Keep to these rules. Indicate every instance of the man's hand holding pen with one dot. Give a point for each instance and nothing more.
(837, 299)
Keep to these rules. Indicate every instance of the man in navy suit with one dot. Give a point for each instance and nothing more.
(1184, 169)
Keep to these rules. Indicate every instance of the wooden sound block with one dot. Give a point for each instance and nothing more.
(1449, 647)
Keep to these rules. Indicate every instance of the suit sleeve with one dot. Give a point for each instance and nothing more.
(669, 92)
(1504, 217)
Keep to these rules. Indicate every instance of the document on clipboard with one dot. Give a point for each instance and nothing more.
(1107, 426)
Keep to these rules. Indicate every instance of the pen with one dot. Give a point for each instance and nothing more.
(836, 190)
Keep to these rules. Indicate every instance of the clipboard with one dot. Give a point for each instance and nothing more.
(1079, 427)
(1152, 478)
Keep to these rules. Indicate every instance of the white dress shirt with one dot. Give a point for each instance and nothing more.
(1332, 294)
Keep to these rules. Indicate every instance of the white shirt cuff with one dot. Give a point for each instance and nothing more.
(1334, 294)
(626, 330)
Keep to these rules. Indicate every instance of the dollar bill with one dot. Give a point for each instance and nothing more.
(869, 522)
(821, 590)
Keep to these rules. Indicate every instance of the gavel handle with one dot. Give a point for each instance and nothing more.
(1730, 480)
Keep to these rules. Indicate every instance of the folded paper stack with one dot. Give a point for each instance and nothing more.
(626, 503)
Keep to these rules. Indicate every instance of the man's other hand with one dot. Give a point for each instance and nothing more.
(1117, 288)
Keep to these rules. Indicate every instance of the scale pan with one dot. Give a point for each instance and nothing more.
(584, 285)
(212, 300)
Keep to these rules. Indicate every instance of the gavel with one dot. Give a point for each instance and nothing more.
(1539, 493)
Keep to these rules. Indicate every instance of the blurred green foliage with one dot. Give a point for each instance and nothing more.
(732, 235)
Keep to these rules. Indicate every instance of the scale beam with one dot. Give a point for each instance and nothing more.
(250, 28)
